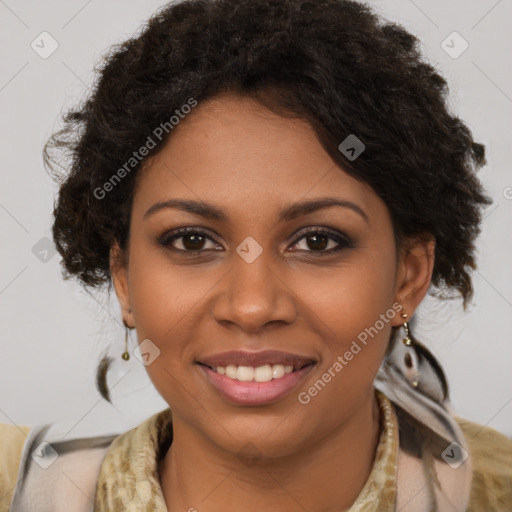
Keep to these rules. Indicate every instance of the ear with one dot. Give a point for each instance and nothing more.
(119, 273)
(414, 274)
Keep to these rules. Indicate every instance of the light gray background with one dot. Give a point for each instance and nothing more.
(53, 333)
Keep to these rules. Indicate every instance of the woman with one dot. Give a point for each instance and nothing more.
(271, 187)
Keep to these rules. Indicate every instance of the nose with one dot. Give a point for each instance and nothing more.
(254, 296)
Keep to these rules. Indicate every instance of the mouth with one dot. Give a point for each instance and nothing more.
(264, 373)
(255, 378)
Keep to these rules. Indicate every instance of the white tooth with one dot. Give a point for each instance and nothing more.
(245, 373)
(277, 371)
(263, 373)
(231, 371)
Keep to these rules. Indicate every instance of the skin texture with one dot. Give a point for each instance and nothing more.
(251, 163)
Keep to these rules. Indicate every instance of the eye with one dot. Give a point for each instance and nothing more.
(186, 240)
(320, 240)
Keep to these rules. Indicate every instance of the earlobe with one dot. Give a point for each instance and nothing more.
(415, 273)
(119, 274)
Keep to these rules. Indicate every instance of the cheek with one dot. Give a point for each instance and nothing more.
(353, 307)
(168, 303)
(162, 306)
(355, 332)
(161, 294)
(351, 295)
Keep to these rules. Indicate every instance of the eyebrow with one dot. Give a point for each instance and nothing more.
(288, 213)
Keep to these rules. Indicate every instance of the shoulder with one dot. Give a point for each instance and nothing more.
(12, 440)
(491, 453)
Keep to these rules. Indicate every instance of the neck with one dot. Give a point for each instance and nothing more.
(196, 475)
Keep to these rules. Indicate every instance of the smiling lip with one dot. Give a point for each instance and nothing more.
(251, 392)
(245, 358)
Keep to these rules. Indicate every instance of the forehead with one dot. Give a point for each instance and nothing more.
(232, 151)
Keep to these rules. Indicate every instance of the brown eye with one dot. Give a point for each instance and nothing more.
(193, 242)
(322, 241)
(189, 240)
(317, 242)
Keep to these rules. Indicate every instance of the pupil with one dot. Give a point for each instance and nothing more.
(319, 241)
(196, 240)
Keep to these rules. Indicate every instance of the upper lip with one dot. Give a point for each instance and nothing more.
(255, 359)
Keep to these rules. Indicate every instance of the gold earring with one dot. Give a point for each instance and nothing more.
(411, 358)
(126, 355)
(407, 340)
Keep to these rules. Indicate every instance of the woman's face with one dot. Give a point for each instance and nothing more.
(253, 280)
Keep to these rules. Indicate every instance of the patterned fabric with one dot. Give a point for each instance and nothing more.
(129, 478)
(379, 492)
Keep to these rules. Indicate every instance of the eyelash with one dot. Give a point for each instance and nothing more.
(343, 241)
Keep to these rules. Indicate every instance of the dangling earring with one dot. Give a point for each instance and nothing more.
(411, 357)
(126, 355)
(407, 340)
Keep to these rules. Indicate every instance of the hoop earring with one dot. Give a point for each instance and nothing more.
(126, 354)
(411, 361)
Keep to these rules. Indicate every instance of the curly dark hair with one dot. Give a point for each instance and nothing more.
(333, 63)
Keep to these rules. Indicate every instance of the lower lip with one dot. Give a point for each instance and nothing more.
(255, 393)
